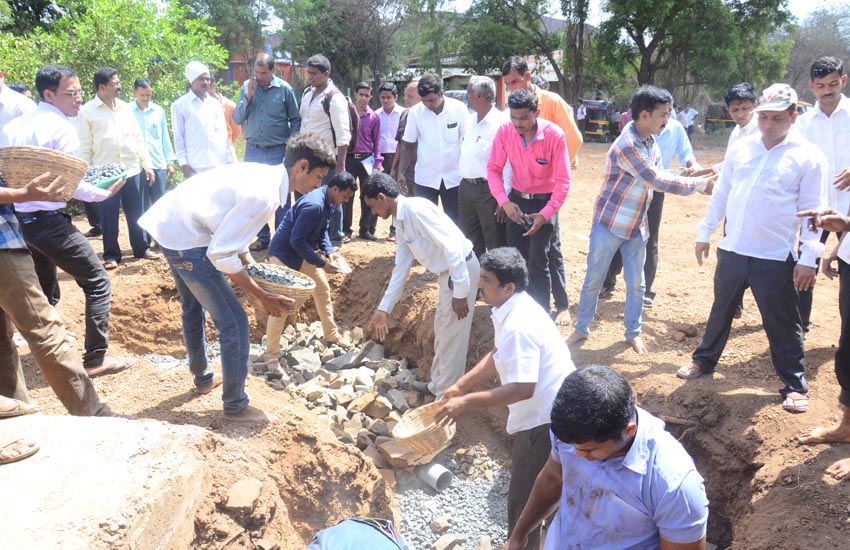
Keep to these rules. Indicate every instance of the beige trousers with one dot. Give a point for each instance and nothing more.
(322, 299)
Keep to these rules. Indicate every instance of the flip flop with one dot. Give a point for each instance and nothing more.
(110, 264)
(6, 444)
(689, 372)
(216, 382)
(20, 409)
(111, 365)
(796, 402)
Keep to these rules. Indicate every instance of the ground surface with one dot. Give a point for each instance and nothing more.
(766, 491)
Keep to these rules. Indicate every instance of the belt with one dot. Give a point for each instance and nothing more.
(475, 181)
(360, 156)
(30, 217)
(532, 196)
(469, 256)
(267, 147)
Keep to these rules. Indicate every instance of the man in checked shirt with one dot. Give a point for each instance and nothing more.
(632, 171)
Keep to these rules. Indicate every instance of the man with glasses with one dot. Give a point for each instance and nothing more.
(109, 134)
(269, 112)
(48, 232)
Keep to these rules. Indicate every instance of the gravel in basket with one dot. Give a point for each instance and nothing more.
(282, 280)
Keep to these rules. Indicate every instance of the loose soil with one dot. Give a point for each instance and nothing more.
(766, 492)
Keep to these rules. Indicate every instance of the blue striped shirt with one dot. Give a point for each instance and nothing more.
(632, 170)
(11, 237)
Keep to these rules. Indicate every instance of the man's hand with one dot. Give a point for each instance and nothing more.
(500, 215)
(701, 251)
(401, 180)
(700, 172)
(695, 167)
(252, 87)
(516, 542)
(378, 325)
(574, 163)
(115, 187)
(151, 176)
(709, 184)
(276, 305)
(513, 212)
(537, 221)
(826, 264)
(460, 307)
(187, 171)
(169, 172)
(451, 409)
(453, 391)
(804, 277)
(826, 218)
(42, 188)
(330, 268)
(842, 180)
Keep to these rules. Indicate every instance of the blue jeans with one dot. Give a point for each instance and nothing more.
(203, 288)
(131, 198)
(335, 222)
(272, 157)
(603, 246)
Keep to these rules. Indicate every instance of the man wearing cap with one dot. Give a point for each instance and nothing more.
(765, 181)
(200, 129)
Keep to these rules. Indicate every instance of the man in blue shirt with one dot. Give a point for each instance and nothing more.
(154, 127)
(673, 142)
(268, 111)
(621, 480)
(299, 243)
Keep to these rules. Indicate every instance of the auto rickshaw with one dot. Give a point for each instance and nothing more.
(597, 123)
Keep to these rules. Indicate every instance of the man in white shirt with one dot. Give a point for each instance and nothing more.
(49, 234)
(204, 228)
(324, 111)
(199, 124)
(110, 134)
(479, 215)
(435, 127)
(390, 116)
(827, 125)
(531, 360)
(764, 182)
(427, 235)
(12, 104)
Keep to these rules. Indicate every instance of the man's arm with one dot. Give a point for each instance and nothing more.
(638, 166)
(541, 502)
(572, 134)
(292, 112)
(714, 213)
(342, 128)
(406, 150)
(309, 216)
(376, 144)
(698, 545)
(45, 187)
(240, 112)
(167, 148)
(178, 125)
(85, 131)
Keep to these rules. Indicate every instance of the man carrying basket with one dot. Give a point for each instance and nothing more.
(204, 227)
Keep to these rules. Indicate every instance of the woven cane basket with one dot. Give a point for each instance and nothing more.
(20, 164)
(298, 293)
(418, 431)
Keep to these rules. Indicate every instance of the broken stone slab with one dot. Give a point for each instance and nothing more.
(483, 543)
(341, 435)
(382, 373)
(405, 379)
(389, 478)
(357, 335)
(243, 495)
(362, 401)
(440, 524)
(376, 457)
(365, 377)
(383, 385)
(344, 395)
(397, 399)
(378, 427)
(448, 542)
(307, 359)
(371, 351)
(390, 365)
(343, 361)
(380, 407)
(142, 479)
(364, 439)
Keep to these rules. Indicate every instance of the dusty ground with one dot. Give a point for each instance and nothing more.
(766, 491)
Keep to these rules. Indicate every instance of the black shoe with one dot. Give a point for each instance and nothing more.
(93, 232)
(366, 236)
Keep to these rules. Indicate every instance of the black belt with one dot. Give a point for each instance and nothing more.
(531, 196)
(30, 217)
(267, 147)
(469, 256)
(360, 156)
(475, 181)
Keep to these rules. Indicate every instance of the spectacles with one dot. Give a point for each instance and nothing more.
(72, 93)
(115, 83)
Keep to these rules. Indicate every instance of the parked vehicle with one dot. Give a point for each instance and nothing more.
(597, 123)
(717, 116)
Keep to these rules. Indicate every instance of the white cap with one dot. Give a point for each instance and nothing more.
(778, 97)
(195, 69)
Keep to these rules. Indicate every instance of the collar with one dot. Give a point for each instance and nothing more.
(368, 112)
(499, 314)
(401, 207)
(137, 108)
(493, 117)
(276, 82)
(635, 135)
(49, 107)
(99, 103)
(397, 109)
(843, 105)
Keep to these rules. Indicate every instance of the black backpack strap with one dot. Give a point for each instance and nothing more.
(326, 105)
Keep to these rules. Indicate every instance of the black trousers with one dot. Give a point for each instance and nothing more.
(842, 356)
(535, 249)
(650, 266)
(92, 214)
(368, 221)
(804, 297)
(476, 209)
(557, 276)
(55, 242)
(772, 285)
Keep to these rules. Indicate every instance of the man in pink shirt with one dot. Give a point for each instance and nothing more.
(537, 151)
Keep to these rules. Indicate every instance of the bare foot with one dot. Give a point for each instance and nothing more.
(638, 345)
(812, 436)
(563, 318)
(576, 338)
(15, 450)
(839, 470)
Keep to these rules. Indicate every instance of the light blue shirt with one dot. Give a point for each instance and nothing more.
(631, 502)
(673, 141)
(155, 132)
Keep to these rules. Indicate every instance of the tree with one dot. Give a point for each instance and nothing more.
(28, 15)
(487, 43)
(576, 12)
(239, 22)
(824, 32)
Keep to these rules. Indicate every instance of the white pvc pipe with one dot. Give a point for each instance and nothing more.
(435, 475)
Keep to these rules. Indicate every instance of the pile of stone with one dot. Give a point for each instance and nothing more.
(360, 392)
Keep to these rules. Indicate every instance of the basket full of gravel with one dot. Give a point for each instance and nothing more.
(282, 280)
(419, 432)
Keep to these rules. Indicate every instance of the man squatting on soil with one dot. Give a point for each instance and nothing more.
(425, 233)
(531, 360)
(204, 228)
